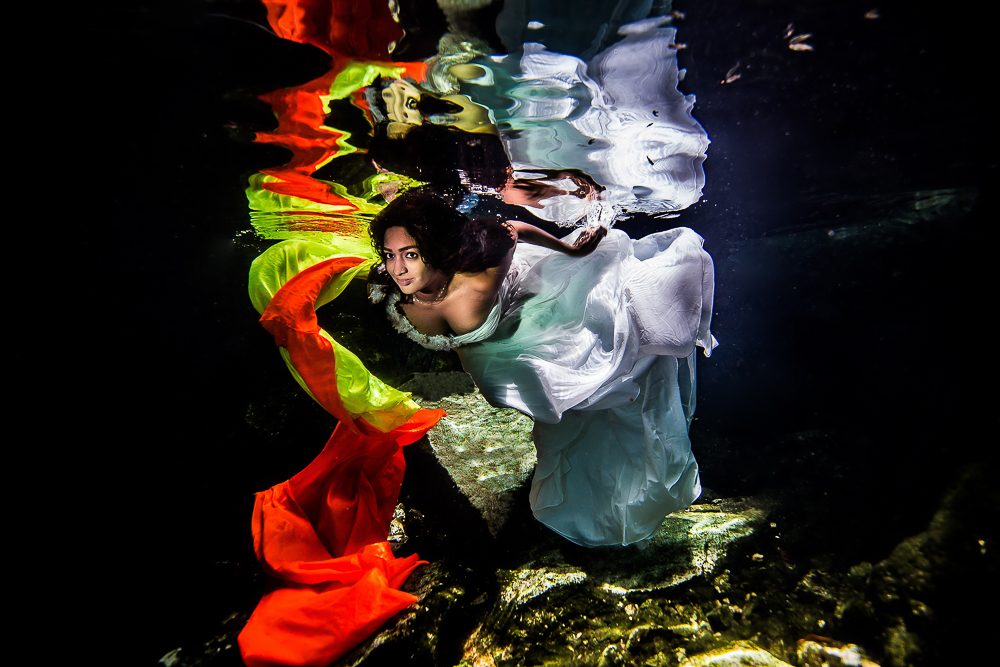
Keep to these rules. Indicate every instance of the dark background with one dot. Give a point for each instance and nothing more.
(873, 345)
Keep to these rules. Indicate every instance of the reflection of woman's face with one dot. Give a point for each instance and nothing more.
(404, 262)
(401, 103)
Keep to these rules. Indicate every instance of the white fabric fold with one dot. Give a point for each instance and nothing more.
(599, 351)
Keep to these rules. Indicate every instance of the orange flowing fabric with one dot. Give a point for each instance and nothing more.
(321, 535)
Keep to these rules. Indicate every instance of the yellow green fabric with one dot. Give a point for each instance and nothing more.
(362, 394)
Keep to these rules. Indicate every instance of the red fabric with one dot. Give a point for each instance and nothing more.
(321, 535)
(359, 28)
(291, 319)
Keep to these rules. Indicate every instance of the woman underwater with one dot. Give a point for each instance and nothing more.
(592, 336)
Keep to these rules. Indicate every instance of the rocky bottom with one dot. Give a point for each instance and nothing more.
(731, 581)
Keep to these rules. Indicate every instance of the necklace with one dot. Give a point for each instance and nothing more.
(436, 298)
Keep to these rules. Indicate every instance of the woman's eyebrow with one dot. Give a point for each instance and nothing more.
(409, 247)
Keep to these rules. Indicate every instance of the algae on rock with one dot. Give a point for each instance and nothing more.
(611, 605)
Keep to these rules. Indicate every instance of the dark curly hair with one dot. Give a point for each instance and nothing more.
(439, 155)
(448, 240)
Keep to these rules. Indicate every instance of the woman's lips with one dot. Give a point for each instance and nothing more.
(403, 282)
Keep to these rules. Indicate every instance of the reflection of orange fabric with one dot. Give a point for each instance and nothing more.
(301, 113)
(321, 534)
(360, 28)
(345, 29)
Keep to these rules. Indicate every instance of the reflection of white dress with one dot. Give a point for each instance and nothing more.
(619, 118)
(599, 351)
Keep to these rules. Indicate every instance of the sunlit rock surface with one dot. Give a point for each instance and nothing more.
(571, 605)
(740, 654)
(423, 633)
(824, 652)
(487, 451)
(553, 602)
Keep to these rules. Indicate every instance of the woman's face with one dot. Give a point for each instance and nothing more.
(404, 262)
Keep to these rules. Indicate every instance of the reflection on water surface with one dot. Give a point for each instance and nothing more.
(570, 122)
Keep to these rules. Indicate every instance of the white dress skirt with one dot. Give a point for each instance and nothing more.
(599, 351)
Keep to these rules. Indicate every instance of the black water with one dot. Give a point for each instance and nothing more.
(843, 308)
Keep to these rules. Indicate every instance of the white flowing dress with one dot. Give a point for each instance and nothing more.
(599, 351)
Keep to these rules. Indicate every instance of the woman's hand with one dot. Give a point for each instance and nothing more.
(586, 242)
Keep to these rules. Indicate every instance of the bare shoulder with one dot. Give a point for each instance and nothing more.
(472, 297)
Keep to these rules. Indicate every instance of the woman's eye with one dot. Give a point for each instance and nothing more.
(412, 255)
(411, 102)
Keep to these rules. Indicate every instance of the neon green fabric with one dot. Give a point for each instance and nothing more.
(284, 260)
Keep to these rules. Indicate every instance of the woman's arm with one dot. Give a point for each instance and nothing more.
(585, 243)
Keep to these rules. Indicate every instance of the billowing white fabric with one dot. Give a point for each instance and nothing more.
(599, 350)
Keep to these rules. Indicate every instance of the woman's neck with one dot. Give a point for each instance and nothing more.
(434, 292)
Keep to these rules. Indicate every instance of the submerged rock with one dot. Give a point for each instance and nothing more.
(423, 633)
(824, 652)
(688, 544)
(611, 605)
(548, 601)
(487, 451)
(739, 654)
